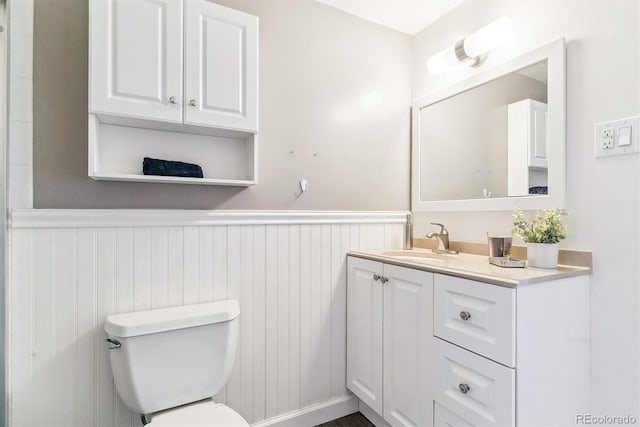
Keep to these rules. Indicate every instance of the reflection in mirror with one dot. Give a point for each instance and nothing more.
(489, 141)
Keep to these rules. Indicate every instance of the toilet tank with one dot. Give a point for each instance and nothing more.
(168, 357)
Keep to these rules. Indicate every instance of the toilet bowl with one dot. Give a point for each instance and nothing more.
(167, 364)
(204, 413)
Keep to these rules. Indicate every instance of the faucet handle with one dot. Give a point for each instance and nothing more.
(443, 229)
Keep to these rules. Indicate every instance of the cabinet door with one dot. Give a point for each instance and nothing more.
(136, 58)
(518, 148)
(538, 136)
(364, 331)
(221, 66)
(408, 331)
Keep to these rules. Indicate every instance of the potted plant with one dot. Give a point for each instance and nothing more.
(541, 233)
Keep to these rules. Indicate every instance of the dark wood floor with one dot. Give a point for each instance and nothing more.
(353, 420)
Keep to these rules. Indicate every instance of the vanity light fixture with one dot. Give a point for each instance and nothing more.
(473, 49)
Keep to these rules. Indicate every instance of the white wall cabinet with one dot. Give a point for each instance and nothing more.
(389, 325)
(221, 66)
(136, 59)
(186, 69)
(527, 134)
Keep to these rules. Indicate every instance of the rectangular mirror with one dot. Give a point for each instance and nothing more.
(496, 141)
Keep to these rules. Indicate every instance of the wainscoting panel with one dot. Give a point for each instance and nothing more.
(288, 274)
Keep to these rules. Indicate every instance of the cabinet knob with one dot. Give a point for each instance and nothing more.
(172, 100)
(465, 315)
(193, 103)
(384, 279)
(376, 277)
(464, 388)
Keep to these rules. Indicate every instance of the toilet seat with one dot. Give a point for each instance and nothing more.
(205, 413)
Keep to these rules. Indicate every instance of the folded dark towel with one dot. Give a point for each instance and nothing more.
(170, 168)
(539, 190)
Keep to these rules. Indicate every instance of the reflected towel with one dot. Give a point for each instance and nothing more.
(539, 190)
(170, 168)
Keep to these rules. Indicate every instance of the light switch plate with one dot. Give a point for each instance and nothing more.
(608, 141)
(624, 136)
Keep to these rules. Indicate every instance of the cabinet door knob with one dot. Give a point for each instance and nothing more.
(464, 388)
(376, 277)
(384, 279)
(465, 315)
(193, 103)
(172, 99)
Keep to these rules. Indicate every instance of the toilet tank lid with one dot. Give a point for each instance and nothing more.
(167, 319)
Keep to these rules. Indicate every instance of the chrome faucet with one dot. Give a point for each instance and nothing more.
(442, 238)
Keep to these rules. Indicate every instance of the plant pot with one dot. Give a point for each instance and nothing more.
(542, 255)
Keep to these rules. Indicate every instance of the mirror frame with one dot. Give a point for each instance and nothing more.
(554, 53)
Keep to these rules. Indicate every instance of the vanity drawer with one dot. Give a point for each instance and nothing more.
(442, 417)
(477, 316)
(475, 389)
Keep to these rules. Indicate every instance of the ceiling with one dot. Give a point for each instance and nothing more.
(406, 16)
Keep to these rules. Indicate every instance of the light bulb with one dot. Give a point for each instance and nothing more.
(488, 37)
(442, 61)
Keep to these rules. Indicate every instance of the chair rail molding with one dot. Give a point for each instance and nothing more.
(87, 218)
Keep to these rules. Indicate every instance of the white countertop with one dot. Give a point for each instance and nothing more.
(474, 267)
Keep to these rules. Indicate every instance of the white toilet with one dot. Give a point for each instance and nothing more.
(168, 363)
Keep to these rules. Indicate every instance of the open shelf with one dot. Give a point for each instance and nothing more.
(173, 180)
(116, 152)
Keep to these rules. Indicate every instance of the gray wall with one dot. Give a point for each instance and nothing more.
(335, 93)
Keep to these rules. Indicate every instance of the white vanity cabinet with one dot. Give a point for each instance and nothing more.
(388, 339)
(493, 348)
(511, 355)
(474, 350)
(172, 80)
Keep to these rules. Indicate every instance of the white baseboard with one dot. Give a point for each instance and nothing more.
(371, 415)
(314, 415)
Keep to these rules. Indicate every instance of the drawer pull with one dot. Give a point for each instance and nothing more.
(376, 277)
(465, 315)
(464, 388)
(384, 279)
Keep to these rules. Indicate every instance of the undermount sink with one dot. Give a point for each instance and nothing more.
(415, 256)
